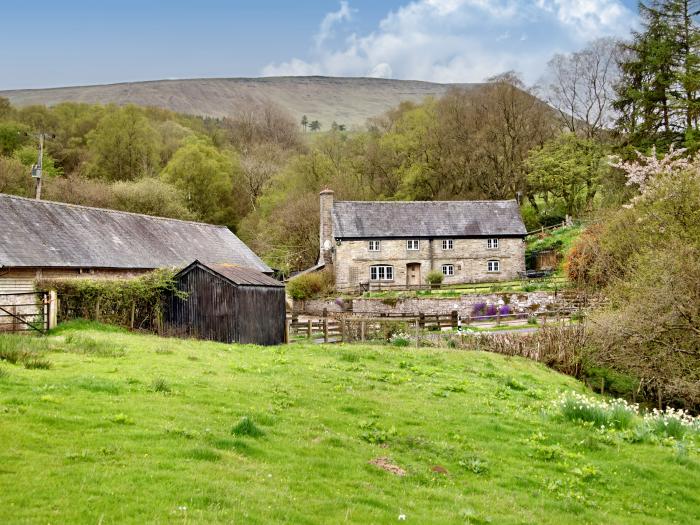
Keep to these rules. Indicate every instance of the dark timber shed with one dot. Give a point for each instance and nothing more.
(227, 303)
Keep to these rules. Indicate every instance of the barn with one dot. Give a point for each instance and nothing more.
(53, 240)
(227, 303)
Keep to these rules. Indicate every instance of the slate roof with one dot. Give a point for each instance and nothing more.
(51, 234)
(426, 219)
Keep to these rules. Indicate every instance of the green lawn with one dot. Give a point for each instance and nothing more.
(130, 428)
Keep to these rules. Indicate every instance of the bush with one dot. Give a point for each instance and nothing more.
(434, 277)
(112, 301)
(311, 285)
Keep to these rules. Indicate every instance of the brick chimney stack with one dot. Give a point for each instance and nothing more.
(326, 241)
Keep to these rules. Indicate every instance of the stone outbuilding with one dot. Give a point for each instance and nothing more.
(394, 244)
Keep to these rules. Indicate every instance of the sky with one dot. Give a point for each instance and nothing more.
(79, 42)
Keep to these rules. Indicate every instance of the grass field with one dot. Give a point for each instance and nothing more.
(126, 428)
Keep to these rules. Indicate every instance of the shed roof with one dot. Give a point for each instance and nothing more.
(394, 219)
(243, 276)
(51, 234)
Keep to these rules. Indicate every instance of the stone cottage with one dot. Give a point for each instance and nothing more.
(395, 244)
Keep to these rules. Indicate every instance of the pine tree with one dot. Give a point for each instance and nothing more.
(658, 96)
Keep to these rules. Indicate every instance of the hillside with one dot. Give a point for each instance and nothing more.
(126, 428)
(348, 101)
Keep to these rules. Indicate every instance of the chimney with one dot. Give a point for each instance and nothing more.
(326, 227)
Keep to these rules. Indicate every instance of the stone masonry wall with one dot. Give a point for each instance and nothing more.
(469, 258)
(519, 302)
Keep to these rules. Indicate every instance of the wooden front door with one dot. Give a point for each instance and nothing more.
(413, 274)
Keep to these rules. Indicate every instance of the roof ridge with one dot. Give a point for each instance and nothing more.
(81, 206)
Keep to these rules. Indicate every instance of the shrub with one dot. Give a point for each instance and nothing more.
(311, 285)
(434, 277)
(400, 339)
(246, 427)
(113, 301)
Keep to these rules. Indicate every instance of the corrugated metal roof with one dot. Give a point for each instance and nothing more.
(244, 276)
(367, 219)
(51, 234)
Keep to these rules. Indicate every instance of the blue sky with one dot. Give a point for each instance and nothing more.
(57, 43)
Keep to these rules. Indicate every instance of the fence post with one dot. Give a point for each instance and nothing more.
(325, 328)
(53, 309)
(453, 319)
(133, 314)
(362, 330)
(286, 330)
(13, 310)
(421, 320)
(308, 329)
(498, 317)
(97, 309)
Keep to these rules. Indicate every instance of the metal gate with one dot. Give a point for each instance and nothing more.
(22, 311)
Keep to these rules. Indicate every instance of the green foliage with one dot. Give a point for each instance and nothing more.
(12, 136)
(311, 285)
(159, 384)
(247, 427)
(124, 145)
(657, 95)
(115, 301)
(434, 277)
(568, 168)
(15, 178)
(151, 196)
(206, 177)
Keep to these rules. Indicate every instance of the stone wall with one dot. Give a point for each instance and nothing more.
(519, 302)
(468, 256)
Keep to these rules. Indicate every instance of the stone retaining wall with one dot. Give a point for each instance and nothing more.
(519, 302)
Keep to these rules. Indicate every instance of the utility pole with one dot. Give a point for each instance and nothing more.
(37, 169)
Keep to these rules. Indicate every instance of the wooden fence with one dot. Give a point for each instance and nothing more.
(358, 328)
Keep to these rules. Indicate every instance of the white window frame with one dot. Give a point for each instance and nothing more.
(448, 244)
(374, 246)
(413, 242)
(381, 272)
(448, 270)
(492, 244)
(493, 266)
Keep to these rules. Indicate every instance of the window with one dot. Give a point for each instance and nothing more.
(381, 273)
(492, 243)
(374, 246)
(448, 269)
(413, 244)
(493, 266)
(448, 244)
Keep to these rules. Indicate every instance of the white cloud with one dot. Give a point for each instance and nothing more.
(459, 40)
(325, 30)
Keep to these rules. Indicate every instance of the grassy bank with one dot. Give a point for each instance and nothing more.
(141, 429)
